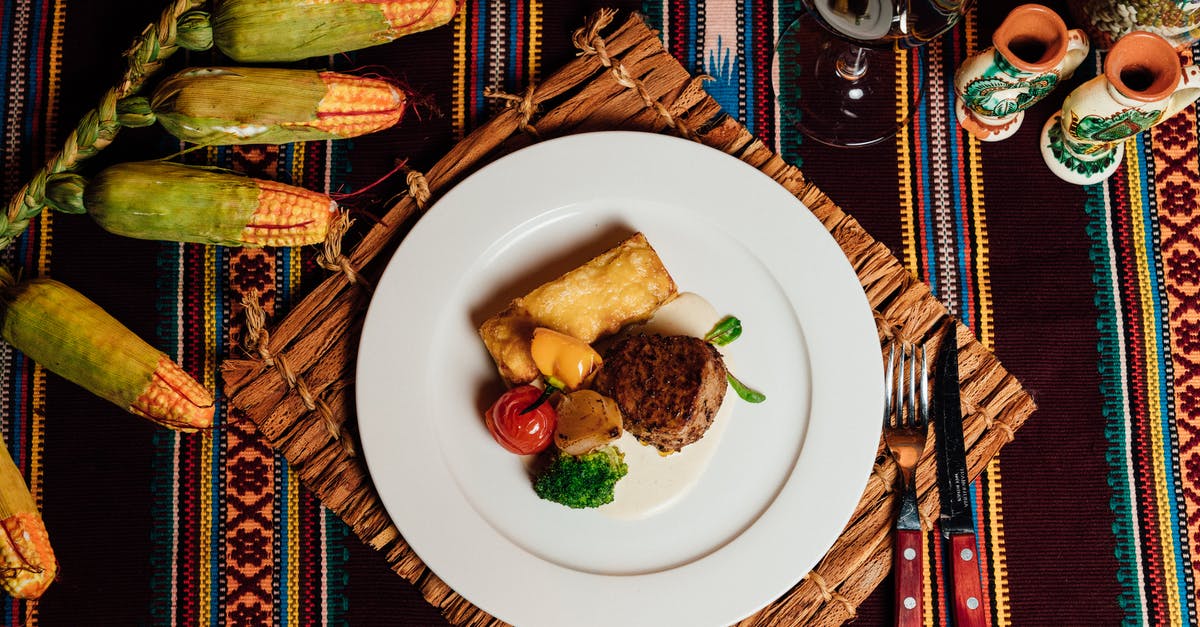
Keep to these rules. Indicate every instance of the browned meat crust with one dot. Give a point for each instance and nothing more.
(668, 387)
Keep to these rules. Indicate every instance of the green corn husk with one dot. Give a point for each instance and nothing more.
(73, 337)
(206, 105)
(259, 31)
(166, 201)
(220, 106)
(163, 201)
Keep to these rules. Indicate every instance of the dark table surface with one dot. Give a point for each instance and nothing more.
(1087, 294)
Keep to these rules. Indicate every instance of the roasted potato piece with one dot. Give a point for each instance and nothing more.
(587, 420)
(625, 284)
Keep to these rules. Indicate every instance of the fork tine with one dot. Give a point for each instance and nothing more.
(888, 377)
(923, 415)
(898, 401)
(910, 401)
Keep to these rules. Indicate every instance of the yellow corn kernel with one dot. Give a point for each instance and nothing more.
(289, 216)
(175, 399)
(27, 562)
(414, 16)
(355, 105)
(260, 31)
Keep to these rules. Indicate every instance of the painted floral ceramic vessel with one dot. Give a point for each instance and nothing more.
(1143, 84)
(1031, 52)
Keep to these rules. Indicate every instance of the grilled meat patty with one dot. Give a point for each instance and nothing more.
(668, 387)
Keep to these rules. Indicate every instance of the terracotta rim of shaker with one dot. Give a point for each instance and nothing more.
(1147, 51)
(1048, 28)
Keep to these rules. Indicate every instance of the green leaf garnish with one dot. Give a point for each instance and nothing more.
(551, 388)
(725, 331)
(746, 394)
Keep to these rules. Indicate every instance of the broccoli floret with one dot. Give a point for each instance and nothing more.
(584, 481)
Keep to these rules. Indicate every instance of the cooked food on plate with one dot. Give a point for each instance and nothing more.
(669, 388)
(625, 284)
(663, 389)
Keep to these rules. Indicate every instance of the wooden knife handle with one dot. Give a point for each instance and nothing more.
(910, 579)
(968, 594)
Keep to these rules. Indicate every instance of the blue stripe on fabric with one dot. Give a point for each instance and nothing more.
(689, 38)
(284, 537)
(513, 61)
(33, 77)
(929, 255)
(747, 55)
(962, 221)
(1162, 356)
(166, 445)
(480, 47)
(6, 35)
(790, 138)
(221, 310)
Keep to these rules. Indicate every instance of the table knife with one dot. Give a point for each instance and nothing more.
(954, 488)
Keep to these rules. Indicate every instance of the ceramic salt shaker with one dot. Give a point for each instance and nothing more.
(1032, 51)
(1143, 84)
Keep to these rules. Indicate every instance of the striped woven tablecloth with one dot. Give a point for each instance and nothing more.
(1088, 295)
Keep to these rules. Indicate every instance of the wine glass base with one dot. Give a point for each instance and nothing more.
(820, 91)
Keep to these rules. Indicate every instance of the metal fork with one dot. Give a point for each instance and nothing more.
(905, 425)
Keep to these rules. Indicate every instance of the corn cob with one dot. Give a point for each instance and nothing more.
(73, 337)
(168, 201)
(224, 106)
(27, 563)
(256, 31)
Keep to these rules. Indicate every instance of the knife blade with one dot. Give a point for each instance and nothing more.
(954, 487)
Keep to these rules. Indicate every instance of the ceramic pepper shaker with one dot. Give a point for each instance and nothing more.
(1143, 84)
(1032, 51)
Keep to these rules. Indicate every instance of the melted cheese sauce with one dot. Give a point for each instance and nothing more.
(655, 481)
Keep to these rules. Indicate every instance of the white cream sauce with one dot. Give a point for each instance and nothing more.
(655, 482)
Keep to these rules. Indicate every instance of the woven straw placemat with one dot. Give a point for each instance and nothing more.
(297, 387)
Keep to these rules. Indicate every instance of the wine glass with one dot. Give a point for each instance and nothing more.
(838, 67)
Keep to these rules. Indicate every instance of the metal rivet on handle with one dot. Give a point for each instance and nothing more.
(910, 603)
(966, 555)
(910, 554)
(972, 603)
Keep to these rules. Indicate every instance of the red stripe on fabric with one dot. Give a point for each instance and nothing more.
(1140, 428)
(764, 48)
(187, 569)
(474, 49)
(519, 53)
(917, 132)
(678, 24)
(310, 585)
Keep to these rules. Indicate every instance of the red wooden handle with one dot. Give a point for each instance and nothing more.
(968, 595)
(910, 579)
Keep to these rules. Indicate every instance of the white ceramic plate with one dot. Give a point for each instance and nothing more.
(785, 477)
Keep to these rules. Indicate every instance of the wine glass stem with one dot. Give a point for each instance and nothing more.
(852, 63)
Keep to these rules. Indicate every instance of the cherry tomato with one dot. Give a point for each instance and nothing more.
(521, 433)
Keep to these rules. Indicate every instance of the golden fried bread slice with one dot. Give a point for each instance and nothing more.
(625, 284)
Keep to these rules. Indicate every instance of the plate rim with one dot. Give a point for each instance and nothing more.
(870, 369)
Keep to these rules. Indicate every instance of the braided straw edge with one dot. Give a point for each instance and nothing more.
(98, 127)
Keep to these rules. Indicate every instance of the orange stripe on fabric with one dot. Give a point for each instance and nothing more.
(1176, 189)
(534, 18)
(908, 226)
(458, 100)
